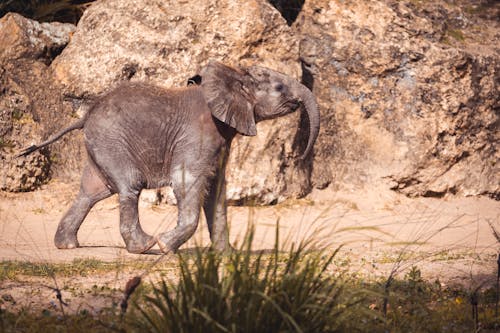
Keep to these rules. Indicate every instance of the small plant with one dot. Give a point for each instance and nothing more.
(296, 291)
(456, 34)
(39, 211)
(17, 114)
(5, 144)
(478, 8)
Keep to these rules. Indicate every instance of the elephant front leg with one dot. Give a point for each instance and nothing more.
(215, 208)
(136, 240)
(188, 190)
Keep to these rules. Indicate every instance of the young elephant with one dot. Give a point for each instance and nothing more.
(140, 136)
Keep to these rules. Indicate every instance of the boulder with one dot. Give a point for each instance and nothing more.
(165, 42)
(406, 102)
(30, 103)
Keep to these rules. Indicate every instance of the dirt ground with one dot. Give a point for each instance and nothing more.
(448, 239)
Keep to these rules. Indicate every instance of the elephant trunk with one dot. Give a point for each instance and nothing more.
(312, 110)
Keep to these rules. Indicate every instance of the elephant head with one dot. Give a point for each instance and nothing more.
(242, 97)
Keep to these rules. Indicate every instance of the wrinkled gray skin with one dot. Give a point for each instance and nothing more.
(139, 136)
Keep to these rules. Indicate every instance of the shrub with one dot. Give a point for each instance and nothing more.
(295, 291)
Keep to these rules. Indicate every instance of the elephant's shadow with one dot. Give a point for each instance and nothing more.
(120, 247)
(191, 251)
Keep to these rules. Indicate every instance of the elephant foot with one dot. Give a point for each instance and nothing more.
(167, 242)
(142, 245)
(164, 246)
(223, 248)
(222, 245)
(66, 242)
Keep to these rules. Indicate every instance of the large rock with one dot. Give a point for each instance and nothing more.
(30, 104)
(408, 91)
(407, 99)
(164, 42)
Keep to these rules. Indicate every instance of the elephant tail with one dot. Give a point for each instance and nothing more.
(76, 125)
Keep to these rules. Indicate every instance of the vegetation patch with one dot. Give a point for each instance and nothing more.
(79, 267)
(6, 144)
(298, 291)
(305, 289)
(456, 34)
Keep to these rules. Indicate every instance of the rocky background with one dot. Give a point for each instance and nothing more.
(408, 90)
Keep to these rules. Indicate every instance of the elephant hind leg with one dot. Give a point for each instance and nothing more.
(92, 190)
(136, 240)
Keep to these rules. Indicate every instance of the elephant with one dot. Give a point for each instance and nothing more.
(139, 136)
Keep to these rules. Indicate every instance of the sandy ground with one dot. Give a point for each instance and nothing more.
(449, 239)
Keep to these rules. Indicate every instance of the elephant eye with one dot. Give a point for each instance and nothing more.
(279, 87)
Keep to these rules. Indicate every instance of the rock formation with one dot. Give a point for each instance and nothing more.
(401, 99)
(165, 42)
(31, 106)
(408, 91)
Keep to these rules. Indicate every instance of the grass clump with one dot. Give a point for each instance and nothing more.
(456, 34)
(82, 267)
(302, 290)
(47, 321)
(5, 144)
(417, 305)
(296, 291)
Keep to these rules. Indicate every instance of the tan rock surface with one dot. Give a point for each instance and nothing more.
(31, 106)
(165, 43)
(408, 92)
(399, 102)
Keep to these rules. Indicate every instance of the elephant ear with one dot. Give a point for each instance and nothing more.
(228, 94)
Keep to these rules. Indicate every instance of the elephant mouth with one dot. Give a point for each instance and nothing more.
(289, 106)
(295, 104)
